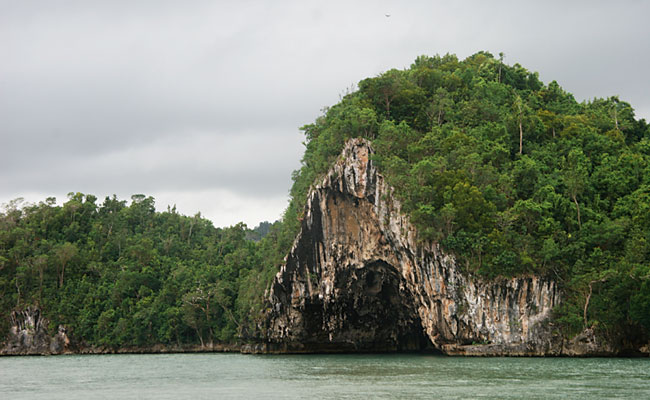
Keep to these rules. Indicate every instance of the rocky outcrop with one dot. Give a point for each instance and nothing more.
(28, 335)
(358, 279)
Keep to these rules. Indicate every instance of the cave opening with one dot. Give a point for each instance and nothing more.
(381, 311)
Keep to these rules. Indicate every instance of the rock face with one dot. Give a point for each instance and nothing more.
(358, 279)
(28, 335)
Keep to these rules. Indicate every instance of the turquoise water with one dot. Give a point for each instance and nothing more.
(236, 376)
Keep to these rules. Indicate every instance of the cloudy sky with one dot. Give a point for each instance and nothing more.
(198, 103)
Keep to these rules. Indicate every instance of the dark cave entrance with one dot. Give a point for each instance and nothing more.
(374, 312)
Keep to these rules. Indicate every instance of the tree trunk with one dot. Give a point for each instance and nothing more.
(18, 289)
(521, 138)
(584, 315)
(207, 320)
(575, 200)
(229, 314)
(40, 286)
(62, 275)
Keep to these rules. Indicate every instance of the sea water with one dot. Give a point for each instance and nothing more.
(378, 376)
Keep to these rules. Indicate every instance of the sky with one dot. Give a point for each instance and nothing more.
(199, 103)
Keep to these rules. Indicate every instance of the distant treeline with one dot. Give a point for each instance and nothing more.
(119, 275)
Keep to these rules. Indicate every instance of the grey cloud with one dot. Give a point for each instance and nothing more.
(204, 97)
(192, 163)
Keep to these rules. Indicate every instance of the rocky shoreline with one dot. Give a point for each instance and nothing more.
(28, 336)
(583, 345)
(271, 349)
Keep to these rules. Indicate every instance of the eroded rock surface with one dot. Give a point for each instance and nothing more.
(357, 279)
(28, 335)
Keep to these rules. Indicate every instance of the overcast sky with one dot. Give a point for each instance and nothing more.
(198, 103)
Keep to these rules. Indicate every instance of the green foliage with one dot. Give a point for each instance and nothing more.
(119, 275)
(640, 306)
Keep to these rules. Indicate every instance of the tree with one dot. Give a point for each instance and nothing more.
(440, 104)
(39, 263)
(613, 109)
(64, 253)
(575, 177)
(640, 305)
(197, 311)
(518, 106)
(501, 56)
(383, 89)
(550, 121)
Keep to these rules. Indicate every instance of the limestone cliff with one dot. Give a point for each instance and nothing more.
(358, 279)
(28, 335)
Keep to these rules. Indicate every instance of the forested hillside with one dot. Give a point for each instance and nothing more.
(511, 175)
(118, 275)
